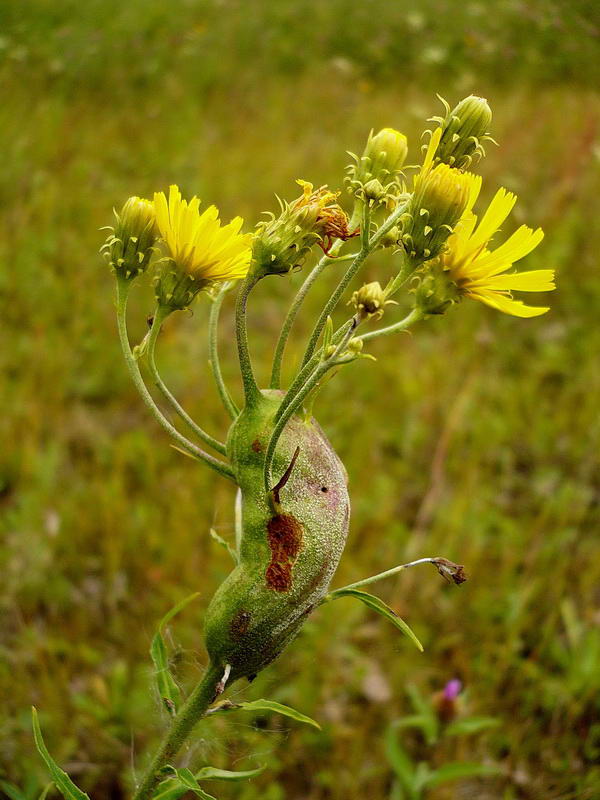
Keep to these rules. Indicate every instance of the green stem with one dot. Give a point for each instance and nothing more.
(306, 371)
(297, 303)
(161, 313)
(213, 323)
(251, 391)
(380, 576)
(191, 712)
(334, 300)
(295, 404)
(134, 371)
(415, 315)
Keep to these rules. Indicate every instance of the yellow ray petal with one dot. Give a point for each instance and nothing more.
(507, 305)
(537, 280)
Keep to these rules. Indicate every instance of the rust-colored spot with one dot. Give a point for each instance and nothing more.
(285, 537)
(240, 624)
(257, 446)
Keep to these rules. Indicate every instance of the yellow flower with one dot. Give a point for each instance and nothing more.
(481, 273)
(197, 243)
(440, 196)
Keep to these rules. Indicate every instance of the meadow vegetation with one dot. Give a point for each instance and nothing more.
(475, 438)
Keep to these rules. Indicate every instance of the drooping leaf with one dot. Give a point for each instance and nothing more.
(375, 604)
(213, 773)
(167, 687)
(64, 784)
(461, 769)
(271, 705)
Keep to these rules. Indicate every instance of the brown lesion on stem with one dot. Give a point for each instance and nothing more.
(284, 534)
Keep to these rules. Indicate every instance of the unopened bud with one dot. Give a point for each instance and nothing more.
(369, 300)
(130, 245)
(381, 161)
(464, 129)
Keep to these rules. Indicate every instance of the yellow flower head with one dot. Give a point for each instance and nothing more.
(200, 251)
(481, 273)
(197, 243)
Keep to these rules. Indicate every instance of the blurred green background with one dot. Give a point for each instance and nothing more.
(476, 438)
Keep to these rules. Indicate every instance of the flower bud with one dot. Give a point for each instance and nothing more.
(390, 239)
(369, 301)
(381, 161)
(283, 242)
(441, 196)
(373, 191)
(464, 128)
(435, 292)
(130, 245)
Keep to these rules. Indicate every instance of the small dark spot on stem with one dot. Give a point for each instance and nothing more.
(324, 489)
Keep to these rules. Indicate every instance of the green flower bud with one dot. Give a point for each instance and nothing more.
(373, 191)
(436, 292)
(464, 128)
(391, 238)
(369, 301)
(130, 245)
(381, 161)
(283, 242)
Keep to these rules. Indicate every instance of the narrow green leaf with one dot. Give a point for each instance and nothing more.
(63, 783)
(187, 780)
(45, 790)
(471, 725)
(170, 789)
(175, 610)
(225, 545)
(460, 769)
(375, 604)
(167, 688)
(278, 708)
(213, 773)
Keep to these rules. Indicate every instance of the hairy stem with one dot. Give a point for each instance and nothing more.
(332, 303)
(215, 364)
(381, 575)
(160, 315)
(191, 712)
(415, 315)
(189, 447)
(251, 391)
(295, 308)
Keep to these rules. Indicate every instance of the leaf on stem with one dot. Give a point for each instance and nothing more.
(169, 691)
(63, 783)
(266, 705)
(375, 604)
